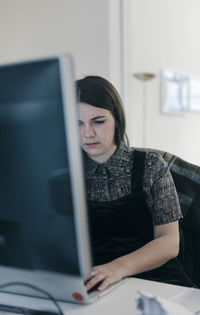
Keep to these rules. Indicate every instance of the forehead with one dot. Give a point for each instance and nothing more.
(90, 111)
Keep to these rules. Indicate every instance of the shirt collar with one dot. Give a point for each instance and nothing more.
(116, 165)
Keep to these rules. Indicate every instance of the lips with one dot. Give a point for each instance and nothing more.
(91, 145)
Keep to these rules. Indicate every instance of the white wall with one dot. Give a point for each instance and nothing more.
(31, 28)
(162, 33)
(157, 33)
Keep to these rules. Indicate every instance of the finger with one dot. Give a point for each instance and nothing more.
(88, 277)
(106, 282)
(95, 280)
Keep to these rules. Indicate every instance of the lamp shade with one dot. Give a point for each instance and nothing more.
(144, 76)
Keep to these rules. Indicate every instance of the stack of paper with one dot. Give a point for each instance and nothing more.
(186, 303)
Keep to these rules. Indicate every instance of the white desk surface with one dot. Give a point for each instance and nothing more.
(120, 301)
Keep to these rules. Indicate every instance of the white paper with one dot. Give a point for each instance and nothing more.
(190, 299)
(150, 304)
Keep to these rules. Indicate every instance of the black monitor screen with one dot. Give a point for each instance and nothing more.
(43, 220)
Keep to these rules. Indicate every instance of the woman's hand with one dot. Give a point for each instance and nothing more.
(163, 247)
(105, 275)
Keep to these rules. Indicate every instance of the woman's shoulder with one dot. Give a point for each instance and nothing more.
(152, 158)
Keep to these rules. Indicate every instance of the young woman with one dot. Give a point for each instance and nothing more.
(133, 204)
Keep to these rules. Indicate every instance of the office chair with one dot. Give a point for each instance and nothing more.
(186, 177)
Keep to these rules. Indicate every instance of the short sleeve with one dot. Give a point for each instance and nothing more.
(160, 191)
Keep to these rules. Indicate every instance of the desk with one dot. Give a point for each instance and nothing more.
(120, 301)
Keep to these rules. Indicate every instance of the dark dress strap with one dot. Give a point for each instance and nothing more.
(138, 170)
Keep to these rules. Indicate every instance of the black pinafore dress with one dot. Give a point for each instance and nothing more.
(121, 226)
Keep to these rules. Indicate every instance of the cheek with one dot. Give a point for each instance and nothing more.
(81, 135)
(109, 132)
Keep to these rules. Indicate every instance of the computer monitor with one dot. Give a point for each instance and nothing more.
(44, 231)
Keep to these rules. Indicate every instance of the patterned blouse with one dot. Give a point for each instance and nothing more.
(112, 180)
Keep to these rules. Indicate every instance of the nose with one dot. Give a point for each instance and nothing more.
(89, 131)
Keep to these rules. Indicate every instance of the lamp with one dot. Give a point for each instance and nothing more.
(144, 77)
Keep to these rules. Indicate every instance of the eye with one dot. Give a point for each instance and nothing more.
(99, 122)
(80, 123)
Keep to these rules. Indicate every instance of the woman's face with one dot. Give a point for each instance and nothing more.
(97, 131)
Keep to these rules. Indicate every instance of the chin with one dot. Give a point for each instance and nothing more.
(92, 153)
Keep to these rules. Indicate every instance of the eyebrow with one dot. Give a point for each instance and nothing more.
(98, 117)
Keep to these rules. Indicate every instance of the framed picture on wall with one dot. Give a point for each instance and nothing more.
(174, 92)
(195, 95)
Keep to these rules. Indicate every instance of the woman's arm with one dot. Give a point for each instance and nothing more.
(164, 205)
(162, 248)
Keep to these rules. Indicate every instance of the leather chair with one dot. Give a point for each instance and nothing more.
(186, 177)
